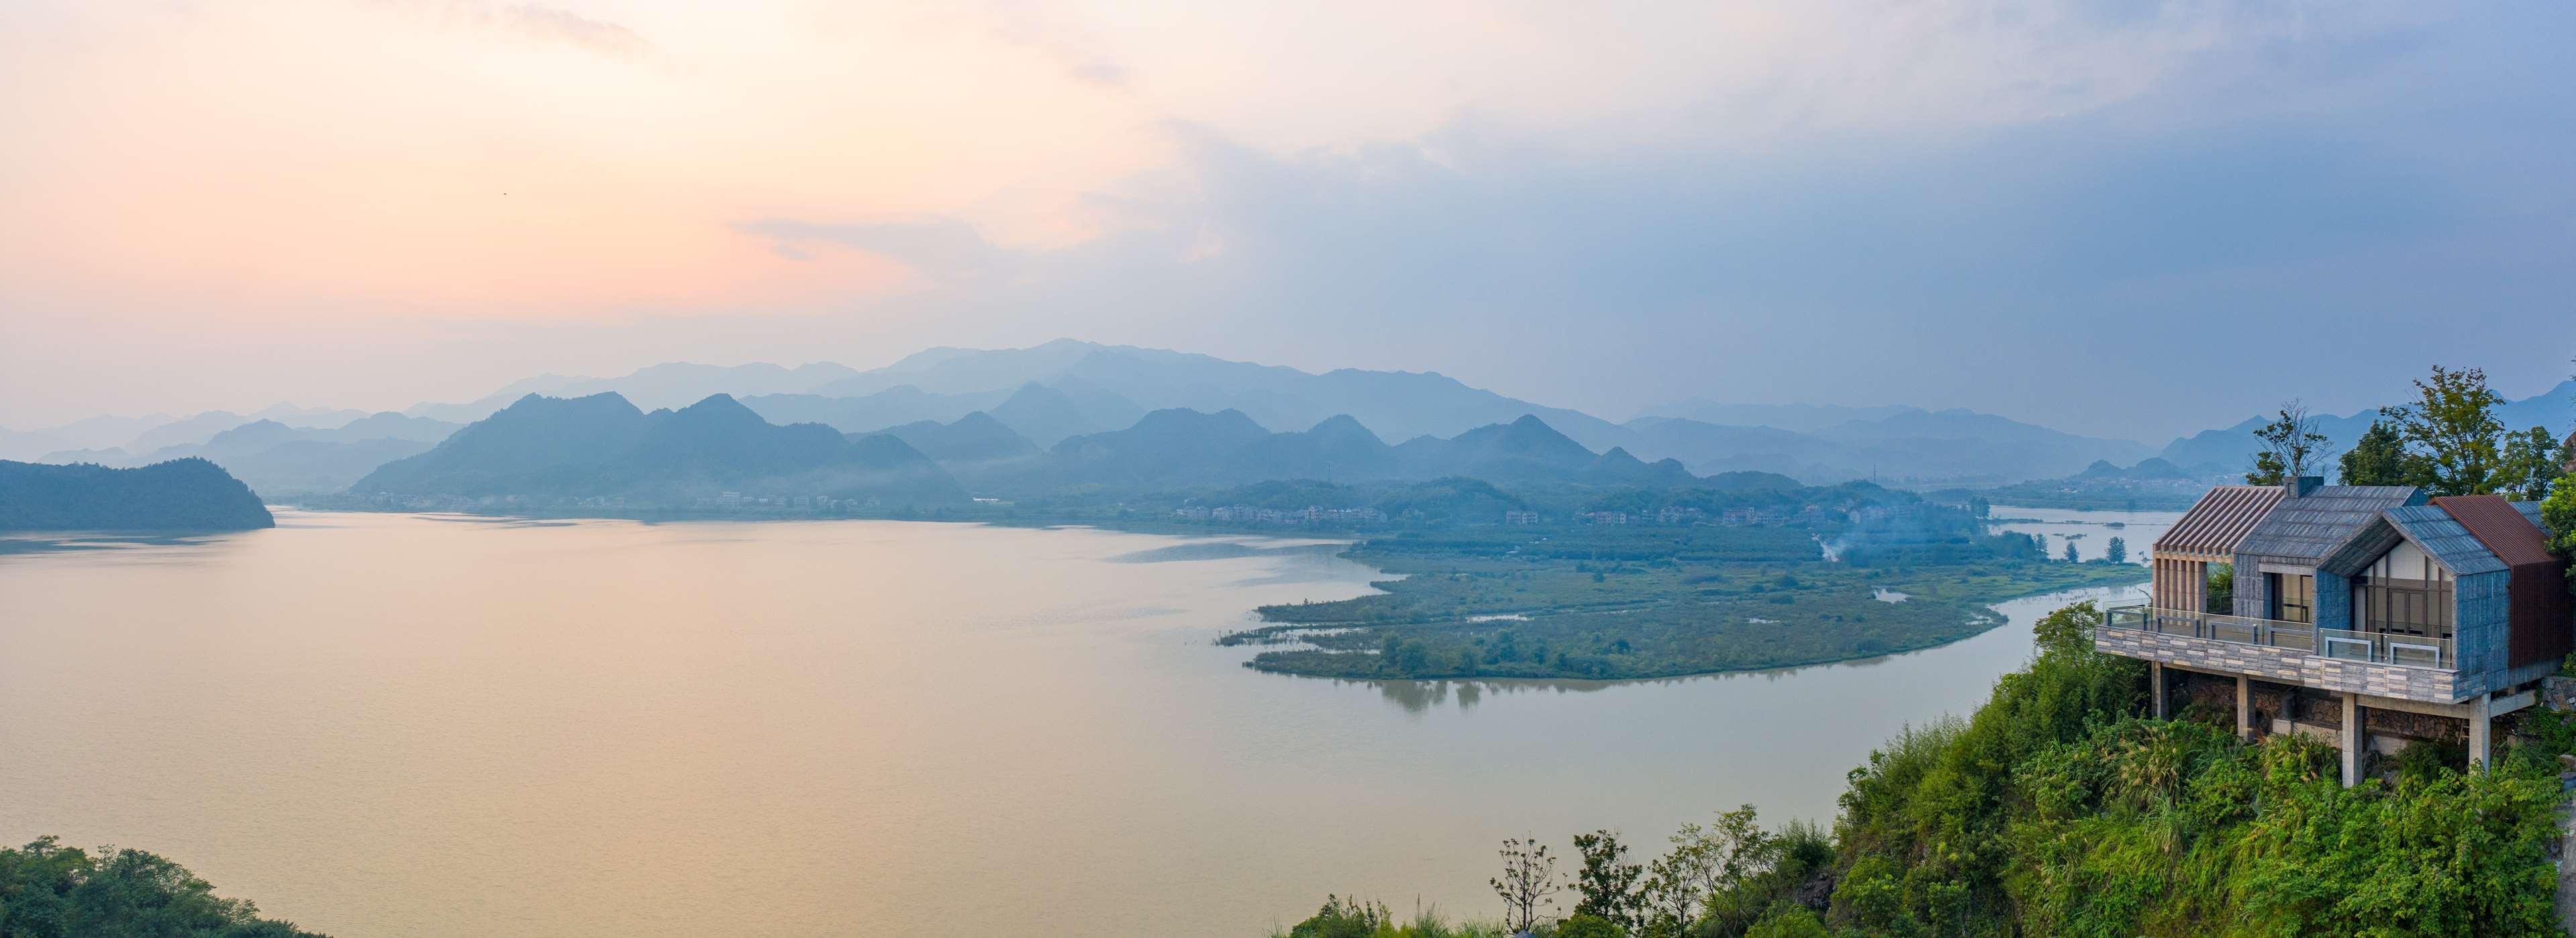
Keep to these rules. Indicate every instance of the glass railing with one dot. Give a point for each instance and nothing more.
(2373, 647)
(2414, 651)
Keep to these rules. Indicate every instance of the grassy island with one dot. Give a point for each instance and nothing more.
(1634, 602)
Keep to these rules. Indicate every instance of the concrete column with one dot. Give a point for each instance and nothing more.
(2351, 739)
(2156, 689)
(2244, 707)
(2479, 726)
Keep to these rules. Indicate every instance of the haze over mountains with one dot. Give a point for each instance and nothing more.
(602, 445)
(274, 458)
(2554, 409)
(1067, 388)
(1029, 402)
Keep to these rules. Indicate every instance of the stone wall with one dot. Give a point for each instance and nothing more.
(2558, 693)
(2453, 730)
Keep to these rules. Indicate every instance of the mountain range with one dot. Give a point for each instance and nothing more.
(276, 459)
(1181, 448)
(1065, 389)
(2232, 448)
(601, 444)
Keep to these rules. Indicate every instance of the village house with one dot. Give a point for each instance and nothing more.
(2367, 615)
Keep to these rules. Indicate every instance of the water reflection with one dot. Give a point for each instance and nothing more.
(572, 724)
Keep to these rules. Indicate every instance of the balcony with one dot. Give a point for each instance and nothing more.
(2381, 648)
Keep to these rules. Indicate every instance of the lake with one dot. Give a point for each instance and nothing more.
(438, 726)
(2092, 530)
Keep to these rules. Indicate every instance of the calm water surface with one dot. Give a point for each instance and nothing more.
(2092, 530)
(420, 726)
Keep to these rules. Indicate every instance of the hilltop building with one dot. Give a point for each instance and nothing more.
(2370, 615)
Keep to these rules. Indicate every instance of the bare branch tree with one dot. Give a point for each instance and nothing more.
(1528, 883)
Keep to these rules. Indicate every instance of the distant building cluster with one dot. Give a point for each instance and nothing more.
(1520, 517)
(781, 504)
(1684, 516)
(1752, 517)
(1312, 514)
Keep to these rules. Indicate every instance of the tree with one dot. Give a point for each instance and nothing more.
(2073, 555)
(1719, 858)
(2531, 464)
(1608, 886)
(2380, 458)
(1672, 893)
(2267, 470)
(2069, 630)
(2117, 551)
(50, 889)
(2222, 588)
(2558, 517)
(2453, 431)
(2291, 446)
(1528, 884)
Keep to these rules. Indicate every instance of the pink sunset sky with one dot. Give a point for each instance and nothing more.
(369, 204)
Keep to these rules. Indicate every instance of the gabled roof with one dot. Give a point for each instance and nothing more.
(2220, 520)
(2500, 526)
(2443, 536)
(2531, 511)
(2310, 528)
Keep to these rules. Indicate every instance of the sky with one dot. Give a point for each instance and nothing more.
(2127, 219)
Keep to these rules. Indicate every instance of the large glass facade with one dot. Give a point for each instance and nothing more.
(2405, 593)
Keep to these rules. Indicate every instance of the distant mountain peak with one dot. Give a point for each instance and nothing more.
(720, 404)
(1343, 426)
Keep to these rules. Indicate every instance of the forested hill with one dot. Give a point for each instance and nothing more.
(179, 495)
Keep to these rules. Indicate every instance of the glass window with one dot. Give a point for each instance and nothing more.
(2294, 597)
(2410, 598)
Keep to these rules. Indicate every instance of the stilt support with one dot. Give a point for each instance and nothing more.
(2244, 707)
(2480, 724)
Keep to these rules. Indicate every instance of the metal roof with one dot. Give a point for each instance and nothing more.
(2531, 512)
(2307, 529)
(2444, 537)
(2502, 528)
(2220, 520)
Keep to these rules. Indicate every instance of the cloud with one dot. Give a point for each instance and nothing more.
(537, 23)
(1098, 72)
(600, 37)
(945, 250)
(1926, 266)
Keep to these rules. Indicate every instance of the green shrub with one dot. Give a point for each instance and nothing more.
(1788, 920)
(1590, 926)
(1343, 918)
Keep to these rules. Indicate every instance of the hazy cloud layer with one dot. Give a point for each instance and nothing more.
(2110, 217)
